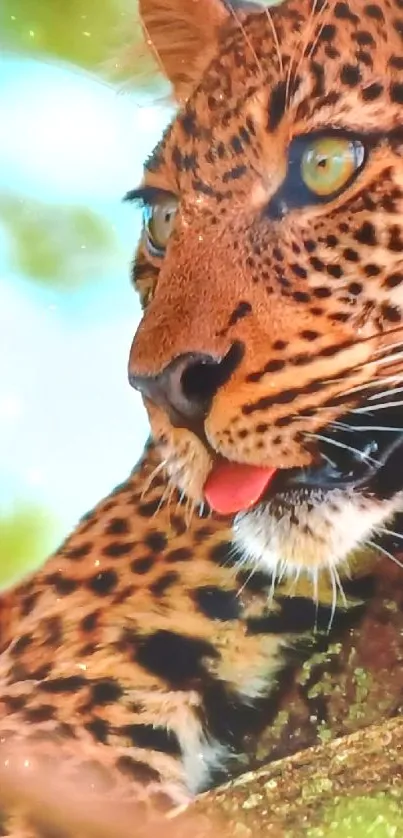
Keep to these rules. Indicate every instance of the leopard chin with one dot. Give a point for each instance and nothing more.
(321, 517)
(306, 531)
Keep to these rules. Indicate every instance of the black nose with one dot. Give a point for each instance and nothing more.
(186, 387)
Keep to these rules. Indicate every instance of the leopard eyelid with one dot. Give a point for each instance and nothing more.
(149, 195)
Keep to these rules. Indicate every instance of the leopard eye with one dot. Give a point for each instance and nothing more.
(159, 219)
(328, 164)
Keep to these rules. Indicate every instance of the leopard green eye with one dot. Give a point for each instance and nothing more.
(159, 221)
(329, 163)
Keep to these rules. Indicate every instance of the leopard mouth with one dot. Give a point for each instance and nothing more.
(359, 454)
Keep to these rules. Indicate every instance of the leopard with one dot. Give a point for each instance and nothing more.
(140, 656)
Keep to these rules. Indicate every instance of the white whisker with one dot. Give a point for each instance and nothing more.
(342, 426)
(353, 428)
(376, 382)
(331, 463)
(190, 507)
(386, 359)
(385, 552)
(247, 580)
(181, 499)
(294, 582)
(276, 40)
(391, 392)
(282, 571)
(340, 586)
(151, 477)
(364, 457)
(166, 497)
(386, 531)
(378, 362)
(233, 12)
(334, 596)
(375, 407)
(390, 346)
(273, 585)
(315, 586)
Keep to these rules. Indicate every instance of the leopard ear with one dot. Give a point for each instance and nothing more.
(182, 34)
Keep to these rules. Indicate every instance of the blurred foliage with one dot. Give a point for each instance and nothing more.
(60, 245)
(85, 32)
(104, 37)
(26, 536)
(380, 816)
(100, 35)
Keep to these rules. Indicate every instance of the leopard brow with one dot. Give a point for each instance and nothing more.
(150, 195)
(147, 195)
(371, 138)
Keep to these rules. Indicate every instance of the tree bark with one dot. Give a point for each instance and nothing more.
(290, 795)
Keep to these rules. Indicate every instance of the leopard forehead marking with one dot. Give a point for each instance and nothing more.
(225, 155)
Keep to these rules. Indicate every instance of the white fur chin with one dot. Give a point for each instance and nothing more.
(317, 532)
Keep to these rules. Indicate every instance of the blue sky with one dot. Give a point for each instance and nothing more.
(70, 425)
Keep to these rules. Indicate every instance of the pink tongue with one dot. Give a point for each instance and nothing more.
(232, 487)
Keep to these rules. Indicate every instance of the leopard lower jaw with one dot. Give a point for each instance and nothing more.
(306, 532)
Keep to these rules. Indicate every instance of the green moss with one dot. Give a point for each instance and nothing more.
(380, 816)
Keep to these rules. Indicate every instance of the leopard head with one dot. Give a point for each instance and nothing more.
(270, 267)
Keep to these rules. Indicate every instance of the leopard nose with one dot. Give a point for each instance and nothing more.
(187, 385)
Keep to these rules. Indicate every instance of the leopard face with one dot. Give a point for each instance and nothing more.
(271, 271)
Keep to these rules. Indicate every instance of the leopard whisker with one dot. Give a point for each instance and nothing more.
(272, 586)
(150, 479)
(275, 38)
(166, 497)
(333, 583)
(343, 445)
(331, 463)
(294, 582)
(238, 21)
(368, 338)
(182, 497)
(246, 582)
(234, 557)
(367, 385)
(315, 595)
(391, 392)
(301, 46)
(376, 407)
(315, 586)
(387, 531)
(282, 571)
(336, 588)
(384, 355)
(378, 548)
(342, 426)
(190, 508)
(385, 358)
(325, 8)
(340, 587)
